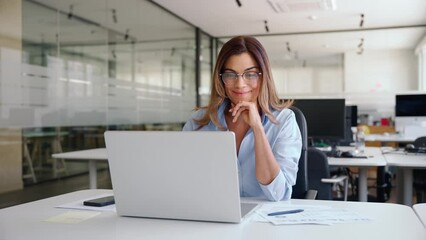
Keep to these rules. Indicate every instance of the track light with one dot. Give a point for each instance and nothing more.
(361, 43)
(126, 36)
(172, 52)
(113, 54)
(361, 23)
(266, 26)
(361, 46)
(114, 15)
(288, 47)
(70, 13)
(238, 3)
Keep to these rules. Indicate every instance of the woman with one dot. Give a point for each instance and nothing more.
(244, 100)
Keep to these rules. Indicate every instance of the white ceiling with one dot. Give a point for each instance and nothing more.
(310, 31)
(311, 34)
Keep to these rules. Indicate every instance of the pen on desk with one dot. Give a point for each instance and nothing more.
(285, 212)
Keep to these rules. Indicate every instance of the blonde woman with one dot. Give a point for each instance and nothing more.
(244, 100)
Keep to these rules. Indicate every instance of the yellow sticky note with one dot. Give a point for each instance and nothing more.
(72, 217)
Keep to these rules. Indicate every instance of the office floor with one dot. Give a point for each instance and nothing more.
(52, 188)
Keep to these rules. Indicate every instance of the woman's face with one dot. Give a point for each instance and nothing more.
(242, 89)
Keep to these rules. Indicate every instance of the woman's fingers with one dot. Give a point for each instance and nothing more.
(239, 108)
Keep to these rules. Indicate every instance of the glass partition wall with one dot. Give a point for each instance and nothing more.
(89, 66)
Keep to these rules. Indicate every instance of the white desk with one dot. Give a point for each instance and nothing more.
(392, 137)
(405, 162)
(26, 221)
(37, 138)
(420, 210)
(91, 155)
(375, 159)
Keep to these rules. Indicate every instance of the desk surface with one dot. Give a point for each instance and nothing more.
(26, 221)
(94, 154)
(375, 159)
(389, 138)
(409, 160)
(44, 134)
(420, 210)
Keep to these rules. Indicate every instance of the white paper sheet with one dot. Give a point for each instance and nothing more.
(311, 215)
(72, 217)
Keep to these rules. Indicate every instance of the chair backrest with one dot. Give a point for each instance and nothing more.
(317, 170)
(420, 142)
(301, 187)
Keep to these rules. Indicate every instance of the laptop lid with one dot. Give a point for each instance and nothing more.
(175, 175)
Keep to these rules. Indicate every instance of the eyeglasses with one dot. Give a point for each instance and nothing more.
(230, 78)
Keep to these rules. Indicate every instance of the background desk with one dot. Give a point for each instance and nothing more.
(91, 155)
(420, 210)
(375, 159)
(389, 138)
(405, 163)
(37, 139)
(26, 221)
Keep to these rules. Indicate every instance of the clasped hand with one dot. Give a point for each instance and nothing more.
(247, 111)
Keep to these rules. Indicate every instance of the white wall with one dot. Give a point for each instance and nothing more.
(308, 81)
(372, 79)
(380, 71)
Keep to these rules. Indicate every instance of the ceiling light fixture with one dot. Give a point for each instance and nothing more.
(266, 26)
(70, 13)
(361, 23)
(361, 43)
(285, 6)
(114, 15)
(238, 3)
(288, 47)
(126, 36)
(361, 46)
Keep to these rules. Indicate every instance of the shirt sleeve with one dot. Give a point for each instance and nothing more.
(286, 148)
(189, 126)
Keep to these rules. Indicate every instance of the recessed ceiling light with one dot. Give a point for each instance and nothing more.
(312, 17)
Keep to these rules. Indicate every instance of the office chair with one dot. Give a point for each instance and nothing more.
(419, 176)
(300, 189)
(319, 175)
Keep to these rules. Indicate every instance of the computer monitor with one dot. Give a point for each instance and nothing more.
(325, 119)
(352, 115)
(410, 105)
(351, 121)
(410, 114)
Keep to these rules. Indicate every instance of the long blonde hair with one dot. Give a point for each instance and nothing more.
(268, 97)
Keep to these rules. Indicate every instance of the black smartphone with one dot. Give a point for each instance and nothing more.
(100, 202)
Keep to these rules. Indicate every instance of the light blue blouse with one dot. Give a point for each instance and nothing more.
(286, 143)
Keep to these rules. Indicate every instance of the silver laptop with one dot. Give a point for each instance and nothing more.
(175, 175)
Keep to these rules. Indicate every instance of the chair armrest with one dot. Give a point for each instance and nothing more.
(311, 194)
(334, 180)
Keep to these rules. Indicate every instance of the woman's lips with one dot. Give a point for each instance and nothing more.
(241, 93)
